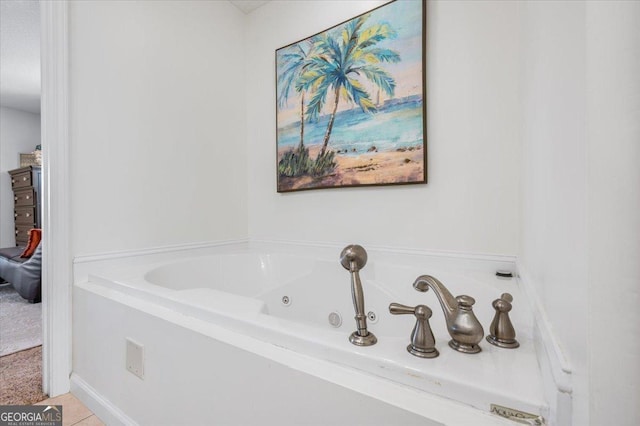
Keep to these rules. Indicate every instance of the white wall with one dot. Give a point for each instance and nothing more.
(613, 153)
(162, 92)
(157, 124)
(580, 226)
(19, 133)
(553, 248)
(471, 201)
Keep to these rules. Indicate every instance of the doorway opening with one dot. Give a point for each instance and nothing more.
(21, 195)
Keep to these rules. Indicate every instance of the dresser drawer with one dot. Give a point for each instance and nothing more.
(24, 197)
(21, 180)
(22, 234)
(25, 216)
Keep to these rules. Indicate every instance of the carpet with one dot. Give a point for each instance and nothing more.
(20, 322)
(21, 377)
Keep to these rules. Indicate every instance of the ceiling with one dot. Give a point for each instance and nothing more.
(247, 6)
(20, 55)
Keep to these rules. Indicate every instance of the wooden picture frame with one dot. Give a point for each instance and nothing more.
(350, 102)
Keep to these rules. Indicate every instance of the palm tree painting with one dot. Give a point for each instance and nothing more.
(350, 102)
(294, 63)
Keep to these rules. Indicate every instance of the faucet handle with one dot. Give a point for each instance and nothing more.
(422, 344)
(398, 309)
(501, 331)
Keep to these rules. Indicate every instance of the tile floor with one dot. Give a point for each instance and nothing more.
(74, 413)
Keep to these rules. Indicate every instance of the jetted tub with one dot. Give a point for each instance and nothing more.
(298, 299)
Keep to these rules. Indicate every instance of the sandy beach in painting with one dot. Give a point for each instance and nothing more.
(369, 168)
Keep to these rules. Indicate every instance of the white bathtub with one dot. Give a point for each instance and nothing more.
(239, 290)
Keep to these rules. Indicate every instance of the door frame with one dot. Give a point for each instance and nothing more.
(57, 260)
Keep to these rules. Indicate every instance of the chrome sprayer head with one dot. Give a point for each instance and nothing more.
(353, 257)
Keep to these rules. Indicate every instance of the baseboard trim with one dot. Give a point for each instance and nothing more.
(104, 409)
(155, 250)
(395, 250)
(316, 244)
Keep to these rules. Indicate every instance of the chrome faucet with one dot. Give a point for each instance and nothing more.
(353, 258)
(463, 326)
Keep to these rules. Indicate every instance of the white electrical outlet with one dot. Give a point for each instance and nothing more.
(135, 358)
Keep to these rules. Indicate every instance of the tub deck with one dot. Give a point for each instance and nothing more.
(506, 377)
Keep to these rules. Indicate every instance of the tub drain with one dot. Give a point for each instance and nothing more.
(286, 301)
(335, 319)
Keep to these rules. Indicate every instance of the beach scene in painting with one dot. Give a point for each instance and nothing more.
(350, 107)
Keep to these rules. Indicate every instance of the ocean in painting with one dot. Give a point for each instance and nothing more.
(395, 125)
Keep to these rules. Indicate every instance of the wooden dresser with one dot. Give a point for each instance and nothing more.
(26, 183)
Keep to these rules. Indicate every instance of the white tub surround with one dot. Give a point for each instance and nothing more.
(214, 327)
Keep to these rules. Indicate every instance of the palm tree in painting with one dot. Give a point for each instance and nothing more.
(340, 63)
(293, 63)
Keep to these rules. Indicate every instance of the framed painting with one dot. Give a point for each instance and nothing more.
(350, 102)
